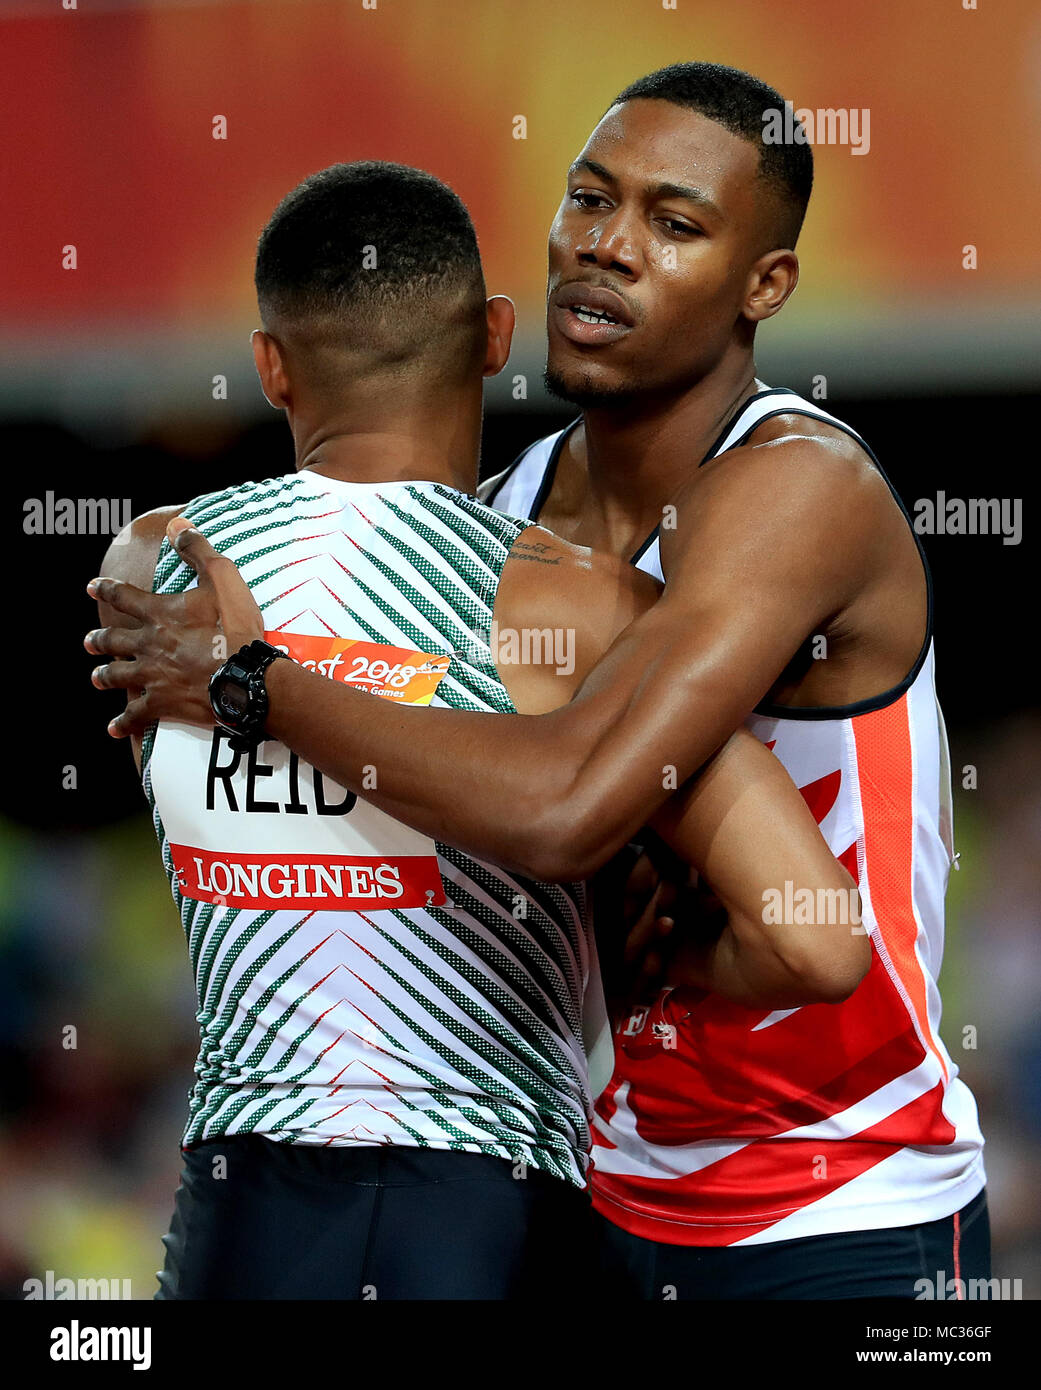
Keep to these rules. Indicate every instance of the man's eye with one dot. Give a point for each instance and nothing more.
(587, 200)
(680, 228)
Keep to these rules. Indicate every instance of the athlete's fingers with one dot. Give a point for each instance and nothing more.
(647, 927)
(240, 617)
(191, 545)
(135, 719)
(639, 936)
(127, 598)
(651, 969)
(117, 675)
(643, 878)
(114, 641)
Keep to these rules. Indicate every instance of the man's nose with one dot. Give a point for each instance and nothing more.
(609, 245)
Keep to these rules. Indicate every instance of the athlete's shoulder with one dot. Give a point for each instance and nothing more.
(133, 553)
(550, 582)
(546, 550)
(839, 440)
(798, 486)
(155, 561)
(239, 497)
(470, 511)
(793, 457)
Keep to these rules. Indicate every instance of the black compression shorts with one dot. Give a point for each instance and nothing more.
(947, 1259)
(293, 1221)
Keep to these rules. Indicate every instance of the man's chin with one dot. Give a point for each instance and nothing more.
(585, 392)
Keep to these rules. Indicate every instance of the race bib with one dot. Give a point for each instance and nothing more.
(396, 673)
(266, 830)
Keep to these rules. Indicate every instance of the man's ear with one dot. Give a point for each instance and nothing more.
(773, 279)
(270, 368)
(501, 320)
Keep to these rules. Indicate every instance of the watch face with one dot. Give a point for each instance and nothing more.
(233, 700)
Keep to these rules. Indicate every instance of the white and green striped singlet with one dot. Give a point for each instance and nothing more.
(357, 983)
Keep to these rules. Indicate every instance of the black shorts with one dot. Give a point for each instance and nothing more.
(302, 1221)
(896, 1262)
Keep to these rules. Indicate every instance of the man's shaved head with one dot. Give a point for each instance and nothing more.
(372, 261)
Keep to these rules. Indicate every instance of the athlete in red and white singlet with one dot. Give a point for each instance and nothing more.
(759, 1127)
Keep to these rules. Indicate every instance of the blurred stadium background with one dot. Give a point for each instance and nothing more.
(107, 392)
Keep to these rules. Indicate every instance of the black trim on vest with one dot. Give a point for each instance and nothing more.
(713, 450)
(759, 396)
(638, 555)
(550, 471)
(507, 474)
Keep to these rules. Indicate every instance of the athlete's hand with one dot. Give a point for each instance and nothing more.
(240, 618)
(181, 639)
(700, 921)
(647, 906)
(673, 917)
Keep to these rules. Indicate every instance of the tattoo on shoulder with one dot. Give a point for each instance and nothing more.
(535, 550)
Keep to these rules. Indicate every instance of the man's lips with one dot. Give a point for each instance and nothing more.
(589, 314)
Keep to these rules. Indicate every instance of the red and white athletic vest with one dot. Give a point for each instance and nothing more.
(724, 1125)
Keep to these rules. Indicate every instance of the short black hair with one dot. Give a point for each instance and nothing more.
(356, 240)
(738, 102)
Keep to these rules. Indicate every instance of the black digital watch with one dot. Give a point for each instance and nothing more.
(238, 695)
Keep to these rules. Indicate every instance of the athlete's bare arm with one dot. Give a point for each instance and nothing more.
(783, 541)
(745, 826)
(742, 822)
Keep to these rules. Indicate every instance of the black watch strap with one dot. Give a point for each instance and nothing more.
(238, 694)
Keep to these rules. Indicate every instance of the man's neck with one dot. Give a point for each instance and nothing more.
(650, 449)
(437, 446)
(624, 464)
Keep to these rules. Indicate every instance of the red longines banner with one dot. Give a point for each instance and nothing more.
(347, 883)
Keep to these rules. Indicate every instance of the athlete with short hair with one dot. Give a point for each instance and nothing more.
(801, 1152)
(392, 1095)
(817, 1153)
